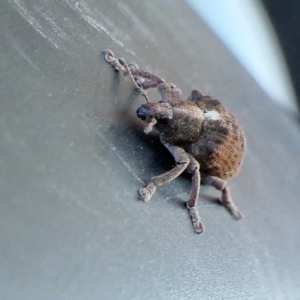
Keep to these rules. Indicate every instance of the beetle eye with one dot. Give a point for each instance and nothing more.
(165, 119)
(142, 113)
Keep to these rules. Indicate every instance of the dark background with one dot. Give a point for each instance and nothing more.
(285, 17)
(73, 156)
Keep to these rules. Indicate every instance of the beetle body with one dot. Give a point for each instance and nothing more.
(204, 138)
(203, 128)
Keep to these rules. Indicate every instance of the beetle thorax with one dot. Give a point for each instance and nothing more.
(186, 124)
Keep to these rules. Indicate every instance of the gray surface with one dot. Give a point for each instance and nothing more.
(73, 155)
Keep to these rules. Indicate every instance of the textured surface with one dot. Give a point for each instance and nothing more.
(73, 155)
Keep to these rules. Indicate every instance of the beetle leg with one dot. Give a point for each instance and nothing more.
(182, 160)
(121, 65)
(143, 80)
(226, 199)
(169, 92)
(193, 168)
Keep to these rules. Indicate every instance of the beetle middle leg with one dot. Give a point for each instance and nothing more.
(193, 168)
(226, 199)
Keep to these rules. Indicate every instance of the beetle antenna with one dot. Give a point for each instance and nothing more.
(128, 72)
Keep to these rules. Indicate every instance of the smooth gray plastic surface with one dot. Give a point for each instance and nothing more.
(73, 156)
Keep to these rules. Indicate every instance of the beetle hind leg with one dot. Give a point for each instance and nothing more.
(226, 199)
(193, 168)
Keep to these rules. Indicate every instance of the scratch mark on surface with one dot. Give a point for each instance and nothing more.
(137, 23)
(89, 16)
(83, 11)
(17, 48)
(32, 20)
(54, 27)
(113, 149)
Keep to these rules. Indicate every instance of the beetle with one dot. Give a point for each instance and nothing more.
(204, 138)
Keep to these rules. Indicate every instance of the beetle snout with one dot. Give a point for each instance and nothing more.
(143, 113)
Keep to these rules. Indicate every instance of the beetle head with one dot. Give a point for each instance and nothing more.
(161, 111)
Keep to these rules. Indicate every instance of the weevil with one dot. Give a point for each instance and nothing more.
(204, 138)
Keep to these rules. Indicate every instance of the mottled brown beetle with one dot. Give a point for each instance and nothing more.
(204, 138)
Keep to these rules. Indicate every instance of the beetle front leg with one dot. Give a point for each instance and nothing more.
(169, 92)
(143, 80)
(182, 160)
(121, 65)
